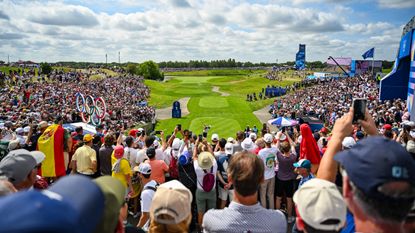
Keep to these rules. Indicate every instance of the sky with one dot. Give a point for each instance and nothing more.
(183, 30)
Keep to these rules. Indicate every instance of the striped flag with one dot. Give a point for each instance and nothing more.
(51, 144)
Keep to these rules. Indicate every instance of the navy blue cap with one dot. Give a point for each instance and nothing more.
(73, 204)
(375, 161)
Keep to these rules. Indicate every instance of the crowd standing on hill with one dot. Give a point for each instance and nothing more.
(344, 178)
(26, 99)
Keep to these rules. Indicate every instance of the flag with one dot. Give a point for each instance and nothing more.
(51, 144)
(369, 53)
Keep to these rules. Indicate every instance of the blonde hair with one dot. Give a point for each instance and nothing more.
(182, 227)
(260, 143)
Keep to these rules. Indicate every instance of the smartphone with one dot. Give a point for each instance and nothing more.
(204, 134)
(157, 132)
(179, 127)
(359, 109)
(200, 137)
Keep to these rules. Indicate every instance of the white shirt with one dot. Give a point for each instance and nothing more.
(147, 196)
(141, 155)
(200, 173)
(268, 156)
(159, 154)
(131, 155)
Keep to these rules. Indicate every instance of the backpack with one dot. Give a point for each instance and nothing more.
(173, 169)
(208, 180)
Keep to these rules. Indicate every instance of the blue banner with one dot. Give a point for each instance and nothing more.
(300, 58)
(405, 45)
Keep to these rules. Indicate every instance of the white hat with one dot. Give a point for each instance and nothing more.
(348, 142)
(318, 201)
(26, 129)
(230, 139)
(39, 156)
(282, 137)
(19, 130)
(247, 144)
(252, 136)
(215, 137)
(172, 199)
(156, 143)
(175, 147)
(143, 168)
(13, 144)
(229, 148)
(268, 138)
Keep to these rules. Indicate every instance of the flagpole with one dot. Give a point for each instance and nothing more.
(373, 60)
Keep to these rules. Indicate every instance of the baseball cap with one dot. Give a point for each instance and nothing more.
(114, 193)
(144, 168)
(185, 158)
(252, 136)
(324, 130)
(317, 202)
(229, 148)
(156, 143)
(247, 144)
(359, 135)
(118, 152)
(268, 138)
(88, 137)
(348, 142)
(303, 163)
(133, 132)
(19, 130)
(375, 161)
(387, 127)
(205, 160)
(43, 124)
(175, 146)
(17, 165)
(26, 129)
(215, 137)
(13, 144)
(171, 199)
(230, 139)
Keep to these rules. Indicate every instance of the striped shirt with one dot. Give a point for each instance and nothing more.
(239, 218)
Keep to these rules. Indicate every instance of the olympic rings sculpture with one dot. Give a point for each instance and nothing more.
(92, 110)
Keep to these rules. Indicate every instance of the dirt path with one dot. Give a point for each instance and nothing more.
(165, 113)
(263, 116)
(216, 89)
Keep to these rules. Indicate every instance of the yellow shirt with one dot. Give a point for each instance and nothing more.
(84, 156)
(125, 169)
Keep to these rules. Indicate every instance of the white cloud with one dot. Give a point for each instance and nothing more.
(184, 30)
(396, 3)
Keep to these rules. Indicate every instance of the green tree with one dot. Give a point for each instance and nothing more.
(150, 70)
(45, 67)
(132, 68)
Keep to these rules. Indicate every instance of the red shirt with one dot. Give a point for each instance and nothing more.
(158, 168)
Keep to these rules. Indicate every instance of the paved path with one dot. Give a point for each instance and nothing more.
(165, 113)
(263, 116)
(216, 89)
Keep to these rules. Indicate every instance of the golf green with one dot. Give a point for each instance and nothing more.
(224, 114)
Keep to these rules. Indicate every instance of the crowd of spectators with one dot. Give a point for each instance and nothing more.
(346, 177)
(26, 98)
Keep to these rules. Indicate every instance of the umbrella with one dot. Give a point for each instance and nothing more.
(282, 121)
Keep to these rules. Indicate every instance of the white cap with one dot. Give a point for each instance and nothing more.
(215, 137)
(282, 137)
(156, 143)
(229, 148)
(230, 139)
(268, 138)
(39, 156)
(26, 129)
(252, 136)
(318, 201)
(13, 144)
(348, 142)
(247, 144)
(19, 130)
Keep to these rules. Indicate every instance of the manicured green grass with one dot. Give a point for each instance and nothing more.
(220, 72)
(6, 69)
(225, 114)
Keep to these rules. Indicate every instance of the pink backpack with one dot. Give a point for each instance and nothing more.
(208, 180)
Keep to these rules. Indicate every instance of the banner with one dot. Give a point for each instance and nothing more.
(51, 144)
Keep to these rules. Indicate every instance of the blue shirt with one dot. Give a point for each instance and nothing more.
(305, 179)
(240, 218)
